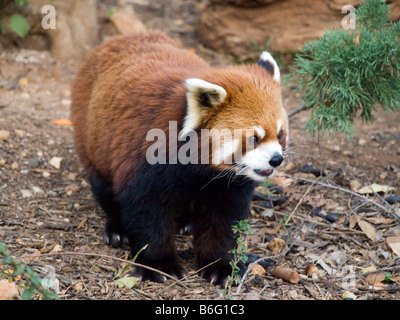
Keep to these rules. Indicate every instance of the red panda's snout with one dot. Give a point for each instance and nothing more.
(260, 163)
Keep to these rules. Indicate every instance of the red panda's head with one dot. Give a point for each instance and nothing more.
(241, 107)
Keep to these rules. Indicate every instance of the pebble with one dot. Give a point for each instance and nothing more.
(55, 162)
(46, 174)
(33, 162)
(26, 193)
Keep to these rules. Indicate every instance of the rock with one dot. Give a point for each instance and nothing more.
(55, 162)
(76, 28)
(310, 169)
(392, 199)
(33, 162)
(126, 21)
(46, 174)
(279, 25)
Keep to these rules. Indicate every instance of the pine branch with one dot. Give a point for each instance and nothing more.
(350, 73)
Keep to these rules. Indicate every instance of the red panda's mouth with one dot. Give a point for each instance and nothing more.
(264, 173)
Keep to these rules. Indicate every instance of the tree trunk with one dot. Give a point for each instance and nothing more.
(76, 28)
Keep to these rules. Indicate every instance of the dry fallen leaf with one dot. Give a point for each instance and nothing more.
(379, 220)
(375, 188)
(290, 166)
(78, 286)
(368, 229)
(368, 269)
(62, 122)
(276, 245)
(353, 221)
(375, 277)
(258, 270)
(72, 188)
(355, 185)
(394, 244)
(57, 248)
(273, 230)
(280, 179)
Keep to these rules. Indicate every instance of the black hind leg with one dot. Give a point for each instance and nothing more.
(157, 232)
(105, 197)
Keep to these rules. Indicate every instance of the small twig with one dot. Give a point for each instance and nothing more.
(326, 225)
(107, 257)
(246, 273)
(302, 107)
(300, 202)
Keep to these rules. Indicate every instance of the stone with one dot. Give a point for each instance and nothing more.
(282, 26)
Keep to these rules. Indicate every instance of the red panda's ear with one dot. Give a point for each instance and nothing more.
(200, 96)
(269, 64)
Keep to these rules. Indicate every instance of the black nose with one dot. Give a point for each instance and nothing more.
(276, 160)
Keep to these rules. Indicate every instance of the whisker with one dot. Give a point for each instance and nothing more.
(288, 154)
(300, 146)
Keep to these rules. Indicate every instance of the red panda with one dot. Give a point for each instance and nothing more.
(135, 83)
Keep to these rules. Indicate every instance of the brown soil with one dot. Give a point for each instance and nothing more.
(45, 209)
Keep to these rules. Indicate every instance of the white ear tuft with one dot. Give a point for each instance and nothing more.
(268, 62)
(208, 94)
(200, 96)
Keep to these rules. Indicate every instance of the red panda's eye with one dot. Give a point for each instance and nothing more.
(253, 140)
(280, 135)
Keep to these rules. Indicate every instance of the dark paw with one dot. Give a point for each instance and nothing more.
(114, 239)
(113, 233)
(170, 268)
(218, 272)
(187, 229)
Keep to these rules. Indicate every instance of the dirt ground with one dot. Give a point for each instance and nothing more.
(47, 209)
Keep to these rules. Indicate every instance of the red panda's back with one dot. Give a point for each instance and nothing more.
(126, 87)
